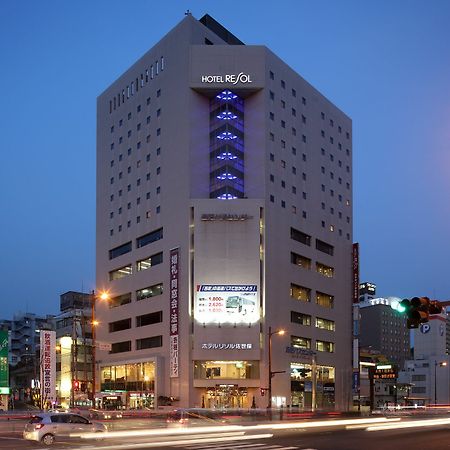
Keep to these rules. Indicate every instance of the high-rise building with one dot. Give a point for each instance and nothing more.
(384, 329)
(224, 215)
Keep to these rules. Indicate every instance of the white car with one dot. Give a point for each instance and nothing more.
(47, 427)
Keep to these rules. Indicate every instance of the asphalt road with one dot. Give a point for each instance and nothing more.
(417, 438)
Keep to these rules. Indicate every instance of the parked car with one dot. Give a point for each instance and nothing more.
(48, 427)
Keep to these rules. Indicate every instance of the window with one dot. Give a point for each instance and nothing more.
(303, 157)
(271, 95)
(158, 93)
(324, 300)
(294, 93)
(158, 132)
(120, 325)
(149, 342)
(302, 319)
(158, 209)
(120, 347)
(149, 319)
(121, 272)
(283, 104)
(272, 157)
(294, 151)
(325, 324)
(299, 236)
(121, 250)
(120, 300)
(294, 112)
(283, 144)
(283, 84)
(158, 170)
(301, 261)
(323, 346)
(324, 270)
(300, 293)
(303, 119)
(151, 291)
(283, 124)
(303, 101)
(304, 214)
(300, 342)
(283, 164)
(283, 204)
(271, 75)
(283, 184)
(153, 260)
(304, 195)
(272, 178)
(272, 199)
(271, 116)
(294, 190)
(324, 247)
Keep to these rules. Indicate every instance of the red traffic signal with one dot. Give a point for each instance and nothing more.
(435, 308)
(76, 385)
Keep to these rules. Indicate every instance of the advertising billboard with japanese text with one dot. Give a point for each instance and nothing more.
(227, 303)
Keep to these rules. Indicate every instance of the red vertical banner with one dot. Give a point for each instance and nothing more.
(355, 259)
(174, 312)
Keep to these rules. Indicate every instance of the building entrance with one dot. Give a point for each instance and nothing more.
(226, 396)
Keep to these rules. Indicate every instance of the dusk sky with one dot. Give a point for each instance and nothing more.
(384, 63)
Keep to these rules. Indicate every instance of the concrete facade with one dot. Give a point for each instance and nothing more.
(283, 246)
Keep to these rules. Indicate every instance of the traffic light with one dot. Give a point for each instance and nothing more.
(76, 385)
(262, 391)
(435, 308)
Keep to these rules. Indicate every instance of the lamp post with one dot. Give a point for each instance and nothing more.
(271, 374)
(94, 323)
(440, 364)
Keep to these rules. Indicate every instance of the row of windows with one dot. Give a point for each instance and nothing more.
(141, 344)
(138, 162)
(305, 239)
(139, 143)
(303, 342)
(138, 181)
(305, 263)
(141, 294)
(303, 294)
(139, 125)
(148, 215)
(319, 322)
(294, 113)
(141, 241)
(142, 264)
(138, 82)
(141, 321)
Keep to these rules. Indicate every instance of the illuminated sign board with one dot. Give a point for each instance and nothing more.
(225, 217)
(174, 312)
(241, 346)
(385, 372)
(226, 303)
(241, 77)
(4, 365)
(48, 366)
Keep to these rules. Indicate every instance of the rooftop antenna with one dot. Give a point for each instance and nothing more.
(188, 13)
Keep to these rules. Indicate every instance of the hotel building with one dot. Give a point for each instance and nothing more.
(224, 211)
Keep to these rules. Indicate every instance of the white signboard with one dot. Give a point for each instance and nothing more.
(48, 367)
(229, 303)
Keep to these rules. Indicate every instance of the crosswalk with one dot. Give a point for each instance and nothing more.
(237, 445)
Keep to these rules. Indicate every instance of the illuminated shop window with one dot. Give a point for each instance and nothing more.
(150, 291)
(300, 342)
(324, 300)
(120, 273)
(325, 324)
(231, 370)
(300, 293)
(153, 260)
(323, 346)
(324, 270)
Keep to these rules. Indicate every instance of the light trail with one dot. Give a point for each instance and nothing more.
(212, 439)
(239, 428)
(412, 424)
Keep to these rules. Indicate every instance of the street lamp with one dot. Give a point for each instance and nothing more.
(440, 364)
(271, 374)
(94, 323)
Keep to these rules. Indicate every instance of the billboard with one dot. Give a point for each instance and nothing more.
(4, 366)
(174, 312)
(48, 366)
(226, 303)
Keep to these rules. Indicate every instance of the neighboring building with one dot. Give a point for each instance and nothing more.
(367, 291)
(74, 364)
(224, 210)
(428, 373)
(25, 353)
(384, 329)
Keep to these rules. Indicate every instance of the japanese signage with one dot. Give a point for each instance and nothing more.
(386, 372)
(174, 316)
(229, 303)
(4, 367)
(242, 346)
(356, 273)
(48, 366)
(296, 351)
(225, 217)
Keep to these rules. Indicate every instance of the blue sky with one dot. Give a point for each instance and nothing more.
(385, 63)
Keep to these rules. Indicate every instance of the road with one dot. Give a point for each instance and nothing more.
(285, 436)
